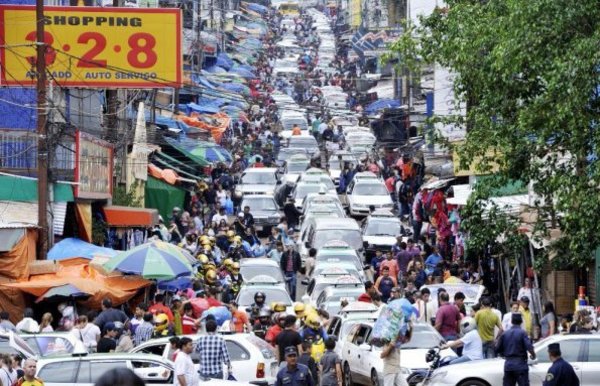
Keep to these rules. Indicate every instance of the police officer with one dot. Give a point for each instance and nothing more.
(561, 372)
(293, 373)
(513, 345)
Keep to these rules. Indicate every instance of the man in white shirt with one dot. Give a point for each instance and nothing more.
(185, 375)
(425, 307)
(28, 324)
(506, 319)
(471, 342)
(219, 216)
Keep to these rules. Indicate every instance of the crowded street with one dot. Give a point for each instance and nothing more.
(271, 193)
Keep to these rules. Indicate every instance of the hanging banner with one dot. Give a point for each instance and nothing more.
(93, 168)
(93, 47)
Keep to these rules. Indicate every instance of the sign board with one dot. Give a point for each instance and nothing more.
(93, 167)
(93, 47)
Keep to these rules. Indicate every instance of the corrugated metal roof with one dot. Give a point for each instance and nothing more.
(14, 214)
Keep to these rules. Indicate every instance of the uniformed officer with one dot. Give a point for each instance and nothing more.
(513, 345)
(293, 373)
(561, 372)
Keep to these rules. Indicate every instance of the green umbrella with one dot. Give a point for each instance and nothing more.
(154, 260)
(211, 152)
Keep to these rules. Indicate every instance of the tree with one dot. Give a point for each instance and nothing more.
(528, 72)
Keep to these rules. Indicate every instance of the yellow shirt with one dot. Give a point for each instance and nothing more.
(453, 280)
(35, 382)
(526, 320)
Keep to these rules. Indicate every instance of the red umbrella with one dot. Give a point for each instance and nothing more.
(199, 305)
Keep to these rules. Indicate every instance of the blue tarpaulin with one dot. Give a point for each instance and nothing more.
(242, 72)
(224, 61)
(382, 104)
(72, 247)
(216, 70)
(193, 107)
(258, 8)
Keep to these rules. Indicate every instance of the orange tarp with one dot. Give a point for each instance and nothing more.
(15, 264)
(124, 216)
(119, 288)
(220, 122)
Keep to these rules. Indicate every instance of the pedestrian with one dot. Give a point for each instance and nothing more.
(561, 372)
(8, 375)
(46, 323)
(288, 337)
(88, 333)
(293, 373)
(290, 266)
(307, 360)
(28, 324)
(526, 313)
(514, 345)
(213, 353)
(138, 316)
(185, 373)
(507, 318)
(17, 361)
(239, 319)
(424, 306)
(487, 321)
(447, 317)
(144, 331)
(385, 283)
(29, 371)
(331, 366)
(472, 349)
(548, 321)
(119, 376)
(159, 307)
(109, 314)
(390, 263)
(392, 371)
(5, 324)
(107, 343)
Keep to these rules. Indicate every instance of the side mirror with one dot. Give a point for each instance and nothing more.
(307, 244)
(304, 282)
(365, 347)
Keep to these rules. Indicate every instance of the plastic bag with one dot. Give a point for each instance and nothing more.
(388, 327)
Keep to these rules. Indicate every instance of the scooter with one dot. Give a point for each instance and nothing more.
(419, 377)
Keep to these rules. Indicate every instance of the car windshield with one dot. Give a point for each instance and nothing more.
(272, 295)
(370, 190)
(260, 204)
(259, 178)
(297, 167)
(350, 294)
(423, 338)
(334, 162)
(298, 142)
(333, 258)
(303, 189)
(249, 272)
(351, 237)
(287, 153)
(383, 228)
(288, 123)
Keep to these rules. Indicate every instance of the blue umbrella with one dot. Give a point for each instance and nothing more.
(62, 291)
(174, 285)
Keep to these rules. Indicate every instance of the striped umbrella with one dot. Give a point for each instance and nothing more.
(154, 260)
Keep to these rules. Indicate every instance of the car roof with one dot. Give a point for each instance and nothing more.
(98, 356)
(260, 170)
(336, 223)
(258, 261)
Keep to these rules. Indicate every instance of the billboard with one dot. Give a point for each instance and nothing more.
(93, 47)
(93, 167)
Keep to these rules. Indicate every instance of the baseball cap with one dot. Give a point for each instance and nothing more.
(291, 350)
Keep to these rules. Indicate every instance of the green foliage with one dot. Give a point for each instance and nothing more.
(528, 72)
(129, 198)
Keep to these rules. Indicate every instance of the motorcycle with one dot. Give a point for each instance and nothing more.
(419, 377)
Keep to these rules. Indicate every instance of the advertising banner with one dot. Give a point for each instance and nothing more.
(93, 168)
(93, 47)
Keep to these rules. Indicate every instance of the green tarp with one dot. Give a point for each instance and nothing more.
(162, 196)
(13, 188)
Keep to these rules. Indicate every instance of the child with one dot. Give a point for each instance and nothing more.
(330, 365)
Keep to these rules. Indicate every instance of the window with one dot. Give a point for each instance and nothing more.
(593, 350)
(570, 351)
(59, 372)
(152, 372)
(353, 332)
(334, 328)
(362, 335)
(156, 349)
(236, 351)
(97, 369)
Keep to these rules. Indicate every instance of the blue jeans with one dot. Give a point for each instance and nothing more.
(290, 279)
(489, 350)
(213, 376)
(460, 360)
(417, 225)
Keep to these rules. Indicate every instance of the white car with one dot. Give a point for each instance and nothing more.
(318, 284)
(362, 362)
(380, 230)
(255, 181)
(321, 200)
(337, 252)
(274, 292)
(581, 351)
(302, 189)
(341, 324)
(331, 298)
(363, 193)
(252, 359)
(254, 269)
(337, 269)
(336, 163)
(319, 179)
(293, 167)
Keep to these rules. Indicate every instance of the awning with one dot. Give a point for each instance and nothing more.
(26, 213)
(162, 196)
(126, 217)
(18, 188)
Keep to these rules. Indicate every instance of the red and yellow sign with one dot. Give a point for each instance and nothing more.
(93, 47)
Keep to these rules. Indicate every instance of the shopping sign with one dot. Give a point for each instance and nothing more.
(93, 47)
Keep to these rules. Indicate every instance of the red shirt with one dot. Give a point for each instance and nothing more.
(392, 265)
(239, 319)
(188, 325)
(212, 302)
(159, 308)
(272, 333)
(365, 298)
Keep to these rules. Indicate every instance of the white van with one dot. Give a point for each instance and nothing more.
(319, 231)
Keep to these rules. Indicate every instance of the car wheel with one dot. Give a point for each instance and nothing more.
(473, 383)
(374, 378)
(347, 375)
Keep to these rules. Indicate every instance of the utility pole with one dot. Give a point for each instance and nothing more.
(212, 15)
(112, 107)
(42, 144)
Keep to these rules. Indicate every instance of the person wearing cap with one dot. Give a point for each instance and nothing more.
(526, 312)
(107, 343)
(513, 345)
(561, 372)
(293, 373)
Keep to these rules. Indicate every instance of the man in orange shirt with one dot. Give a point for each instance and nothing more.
(239, 318)
(296, 130)
(391, 264)
(159, 307)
